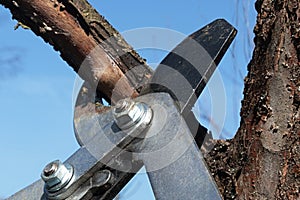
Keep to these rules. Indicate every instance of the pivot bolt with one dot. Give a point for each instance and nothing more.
(123, 105)
(56, 175)
(50, 169)
(128, 113)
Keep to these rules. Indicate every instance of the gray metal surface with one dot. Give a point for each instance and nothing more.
(168, 150)
(32, 192)
(173, 161)
(187, 178)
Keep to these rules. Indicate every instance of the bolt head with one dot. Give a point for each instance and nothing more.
(122, 105)
(50, 169)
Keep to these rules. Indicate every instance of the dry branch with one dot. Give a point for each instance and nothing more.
(86, 41)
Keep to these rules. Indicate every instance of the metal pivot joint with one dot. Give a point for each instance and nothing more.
(56, 176)
(129, 114)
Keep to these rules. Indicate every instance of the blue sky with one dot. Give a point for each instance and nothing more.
(36, 88)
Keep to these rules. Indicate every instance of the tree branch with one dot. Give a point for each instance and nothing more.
(87, 42)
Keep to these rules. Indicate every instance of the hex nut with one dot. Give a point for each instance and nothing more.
(127, 113)
(59, 177)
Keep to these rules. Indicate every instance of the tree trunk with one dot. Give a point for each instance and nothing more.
(263, 160)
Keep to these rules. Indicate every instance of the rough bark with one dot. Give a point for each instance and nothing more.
(263, 160)
(86, 41)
